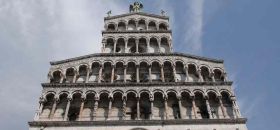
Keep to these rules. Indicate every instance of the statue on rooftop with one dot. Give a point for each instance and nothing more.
(135, 7)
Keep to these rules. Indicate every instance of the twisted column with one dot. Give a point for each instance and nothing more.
(237, 113)
(100, 74)
(81, 108)
(180, 106)
(194, 107)
(162, 73)
(124, 73)
(222, 107)
(88, 72)
(53, 108)
(113, 74)
(187, 73)
(137, 74)
(208, 108)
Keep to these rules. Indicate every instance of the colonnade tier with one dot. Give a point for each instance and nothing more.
(145, 105)
(141, 44)
(132, 72)
(136, 24)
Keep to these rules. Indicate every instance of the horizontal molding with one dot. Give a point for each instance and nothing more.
(137, 31)
(137, 122)
(135, 55)
(163, 84)
(139, 13)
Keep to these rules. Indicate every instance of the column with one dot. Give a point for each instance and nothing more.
(124, 109)
(110, 108)
(159, 45)
(165, 108)
(208, 108)
(150, 73)
(199, 75)
(138, 108)
(148, 46)
(170, 45)
(187, 73)
(53, 108)
(152, 105)
(39, 110)
(180, 106)
(61, 77)
(162, 73)
(88, 71)
(67, 109)
(75, 76)
(225, 76)
(125, 46)
(115, 45)
(212, 76)
(124, 73)
(235, 108)
(194, 107)
(174, 73)
(137, 45)
(113, 74)
(81, 108)
(137, 74)
(100, 74)
(222, 107)
(95, 107)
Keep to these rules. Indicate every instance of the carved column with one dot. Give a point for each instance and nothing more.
(53, 108)
(162, 73)
(152, 105)
(124, 73)
(95, 107)
(67, 109)
(159, 45)
(148, 46)
(88, 71)
(237, 113)
(138, 108)
(222, 107)
(208, 108)
(81, 108)
(113, 74)
(150, 73)
(187, 73)
(124, 109)
(75, 76)
(194, 107)
(174, 73)
(199, 75)
(180, 106)
(137, 74)
(165, 108)
(100, 74)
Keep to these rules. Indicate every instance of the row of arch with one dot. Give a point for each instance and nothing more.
(142, 72)
(137, 45)
(145, 105)
(134, 24)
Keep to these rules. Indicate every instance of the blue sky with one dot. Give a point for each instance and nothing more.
(245, 33)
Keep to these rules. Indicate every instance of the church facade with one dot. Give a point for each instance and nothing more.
(137, 82)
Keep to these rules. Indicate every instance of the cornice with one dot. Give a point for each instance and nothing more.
(162, 84)
(138, 31)
(139, 13)
(137, 122)
(136, 54)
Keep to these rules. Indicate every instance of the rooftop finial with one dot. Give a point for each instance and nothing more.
(136, 7)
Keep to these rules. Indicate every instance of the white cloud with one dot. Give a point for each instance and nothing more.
(32, 33)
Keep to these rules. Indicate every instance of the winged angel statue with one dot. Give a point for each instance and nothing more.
(135, 7)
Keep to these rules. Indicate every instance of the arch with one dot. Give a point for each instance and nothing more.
(94, 72)
(163, 26)
(121, 26)
(82, 74)
(131, 24)
(192, 72)
(109, 45)
(90, 92)
(111, 27)
(131, 45)
(229, 93)
(131, 91)
(142, 46)
(49, 93)
(158, 91)
(56, 76)
(120, 45)
(141, 24)
(218, 74)
(144, 91)
(118, 91)
(131, 72)
(164, 45)
(152, 26)
(144, 71)
(104, 92)
(212, 91)
(180, 71)
(168, 71)
(154, 45)
(155, 71)
(205, 73)
(171, 91)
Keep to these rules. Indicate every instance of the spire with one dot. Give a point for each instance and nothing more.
(136, 7)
